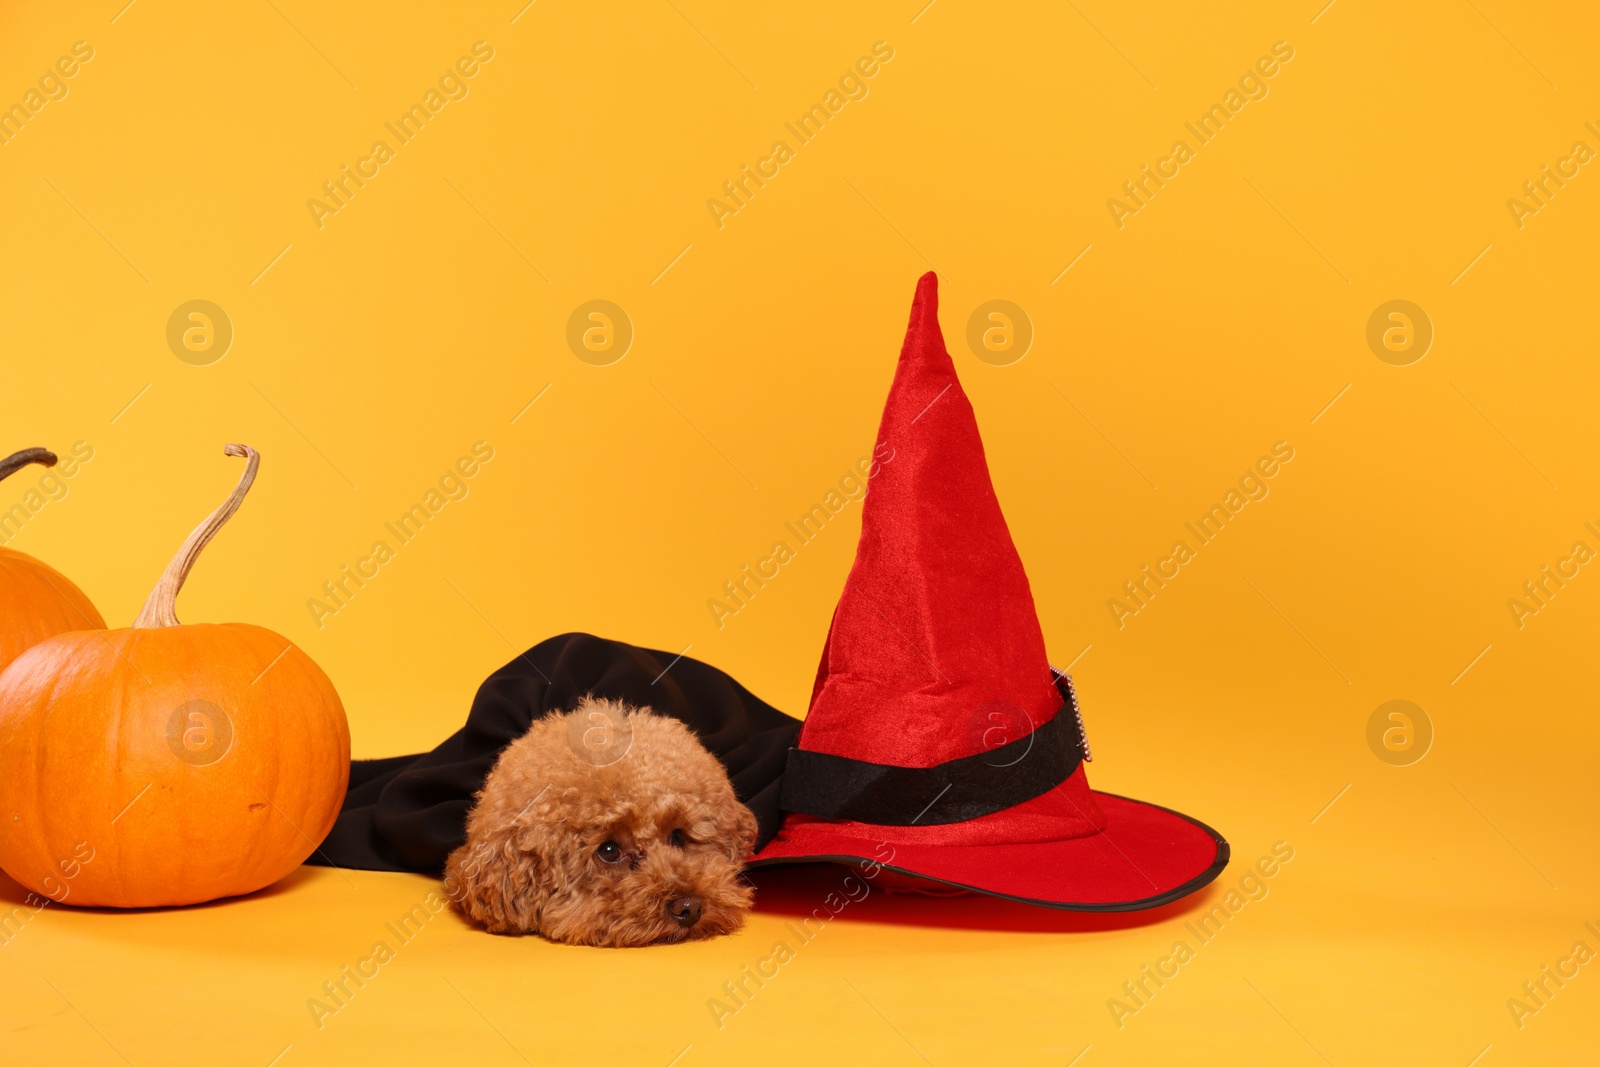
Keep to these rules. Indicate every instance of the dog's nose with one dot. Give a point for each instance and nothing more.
(685, 911)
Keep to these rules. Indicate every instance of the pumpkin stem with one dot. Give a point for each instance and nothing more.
(17, 460)
(159, 608)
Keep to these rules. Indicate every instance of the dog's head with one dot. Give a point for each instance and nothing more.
(606, 825)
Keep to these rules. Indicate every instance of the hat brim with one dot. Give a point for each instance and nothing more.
(1144, 857)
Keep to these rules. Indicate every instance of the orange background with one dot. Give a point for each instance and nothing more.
(1229, 313)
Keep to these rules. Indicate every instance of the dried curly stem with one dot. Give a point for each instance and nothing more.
(159, 608)
(17, 460)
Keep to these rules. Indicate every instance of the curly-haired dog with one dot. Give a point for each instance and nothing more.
(605, 825)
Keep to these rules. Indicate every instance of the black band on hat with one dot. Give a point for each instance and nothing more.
(969, 787)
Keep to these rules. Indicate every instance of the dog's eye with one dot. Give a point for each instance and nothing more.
(610, 852)
(678, 839)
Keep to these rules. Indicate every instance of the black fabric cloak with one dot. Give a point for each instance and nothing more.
(407, 813)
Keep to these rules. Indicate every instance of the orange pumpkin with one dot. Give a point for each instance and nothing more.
(167, 763)
(36, 600)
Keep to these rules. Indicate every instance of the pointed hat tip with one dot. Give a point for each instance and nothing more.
(923, 329)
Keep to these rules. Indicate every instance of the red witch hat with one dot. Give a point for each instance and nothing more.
(940, 741)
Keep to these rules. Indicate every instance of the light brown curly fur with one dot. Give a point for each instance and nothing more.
(530, 863)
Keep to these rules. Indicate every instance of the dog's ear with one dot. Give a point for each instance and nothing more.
(736, 828)
(494, 883)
